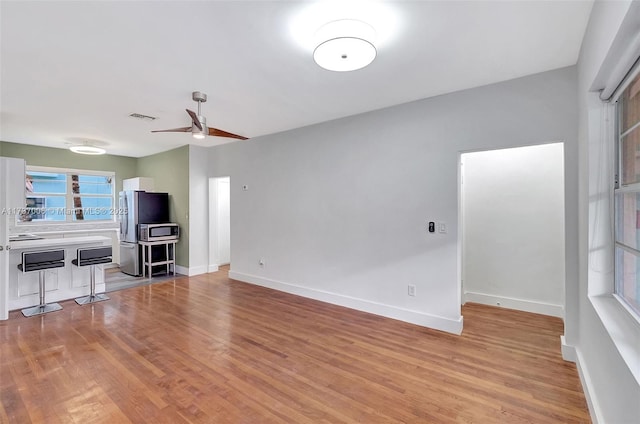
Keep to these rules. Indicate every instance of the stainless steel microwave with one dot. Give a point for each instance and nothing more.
(156, 232)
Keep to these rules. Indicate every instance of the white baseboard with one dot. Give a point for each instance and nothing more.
(182, 270)
(589, 393)
(414, 317)
(568, 351)
(191, 271)
(518, 304)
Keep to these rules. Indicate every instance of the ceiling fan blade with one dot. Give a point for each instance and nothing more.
(195, 119)
(184, 129)
(219, 133)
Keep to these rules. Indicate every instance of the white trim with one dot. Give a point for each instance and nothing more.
(628, 188)
(191, 271)
(213, 268)
(568, 351)
(623, 329)
(414, 317)
(197, 270)
(182, 270)
(623, 302)
(460, 252)
(595, 411)
(518, 304)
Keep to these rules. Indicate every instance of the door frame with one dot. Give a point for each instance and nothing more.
(214, 242)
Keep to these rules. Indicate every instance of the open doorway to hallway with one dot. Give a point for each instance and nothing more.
(219, 223)
(512, 228)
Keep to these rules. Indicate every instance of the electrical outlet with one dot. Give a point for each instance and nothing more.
(442, 227)
(411, 290)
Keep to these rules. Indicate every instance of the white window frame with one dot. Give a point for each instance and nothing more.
(69, 195)
(619, 188)
(619, 321)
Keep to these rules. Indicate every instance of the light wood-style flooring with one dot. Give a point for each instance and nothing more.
(207, 349)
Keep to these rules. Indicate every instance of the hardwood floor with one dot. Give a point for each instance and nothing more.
(207, 349)
(116, 280)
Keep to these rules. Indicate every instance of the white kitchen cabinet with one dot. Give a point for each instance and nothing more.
(138, 183)
(12, 200)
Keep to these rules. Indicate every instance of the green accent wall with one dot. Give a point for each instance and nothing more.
(169, 170)
(123, 166)
(170, 173)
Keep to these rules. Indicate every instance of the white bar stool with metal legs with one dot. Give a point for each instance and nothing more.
(41, 262)
(91, 257)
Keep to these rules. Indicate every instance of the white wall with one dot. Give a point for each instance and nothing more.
(611, 388)
(513, 228)
(224, 221)
(219, 222)
(339, 210)
(198, 212)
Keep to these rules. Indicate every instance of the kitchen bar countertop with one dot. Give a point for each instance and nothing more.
(63, 283)
(54, 242)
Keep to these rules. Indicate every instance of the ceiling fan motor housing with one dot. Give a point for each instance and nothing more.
(197, 96)
(203, 122)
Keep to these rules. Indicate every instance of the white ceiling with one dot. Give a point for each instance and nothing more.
(75, 70)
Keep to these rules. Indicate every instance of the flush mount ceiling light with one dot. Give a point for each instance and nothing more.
(345, 45)
(87, 149)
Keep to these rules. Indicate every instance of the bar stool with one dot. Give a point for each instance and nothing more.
(92, 256)
(41, 261)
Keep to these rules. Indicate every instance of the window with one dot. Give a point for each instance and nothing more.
(627, 197)
(59, 195)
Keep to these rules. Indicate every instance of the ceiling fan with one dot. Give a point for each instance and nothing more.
(198, 126)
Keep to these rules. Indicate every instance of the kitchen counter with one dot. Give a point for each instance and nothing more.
(64, 283)
(46, 243)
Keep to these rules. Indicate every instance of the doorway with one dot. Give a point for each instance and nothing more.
(219, 222)
(512, 228)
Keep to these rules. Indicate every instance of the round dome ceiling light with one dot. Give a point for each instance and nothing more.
(345, 45)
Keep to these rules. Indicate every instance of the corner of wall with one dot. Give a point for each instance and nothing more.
(191, 271)
(568, 351)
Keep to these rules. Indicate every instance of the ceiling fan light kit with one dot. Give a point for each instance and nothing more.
(198, 128)
(197, 133)
(345, 45)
